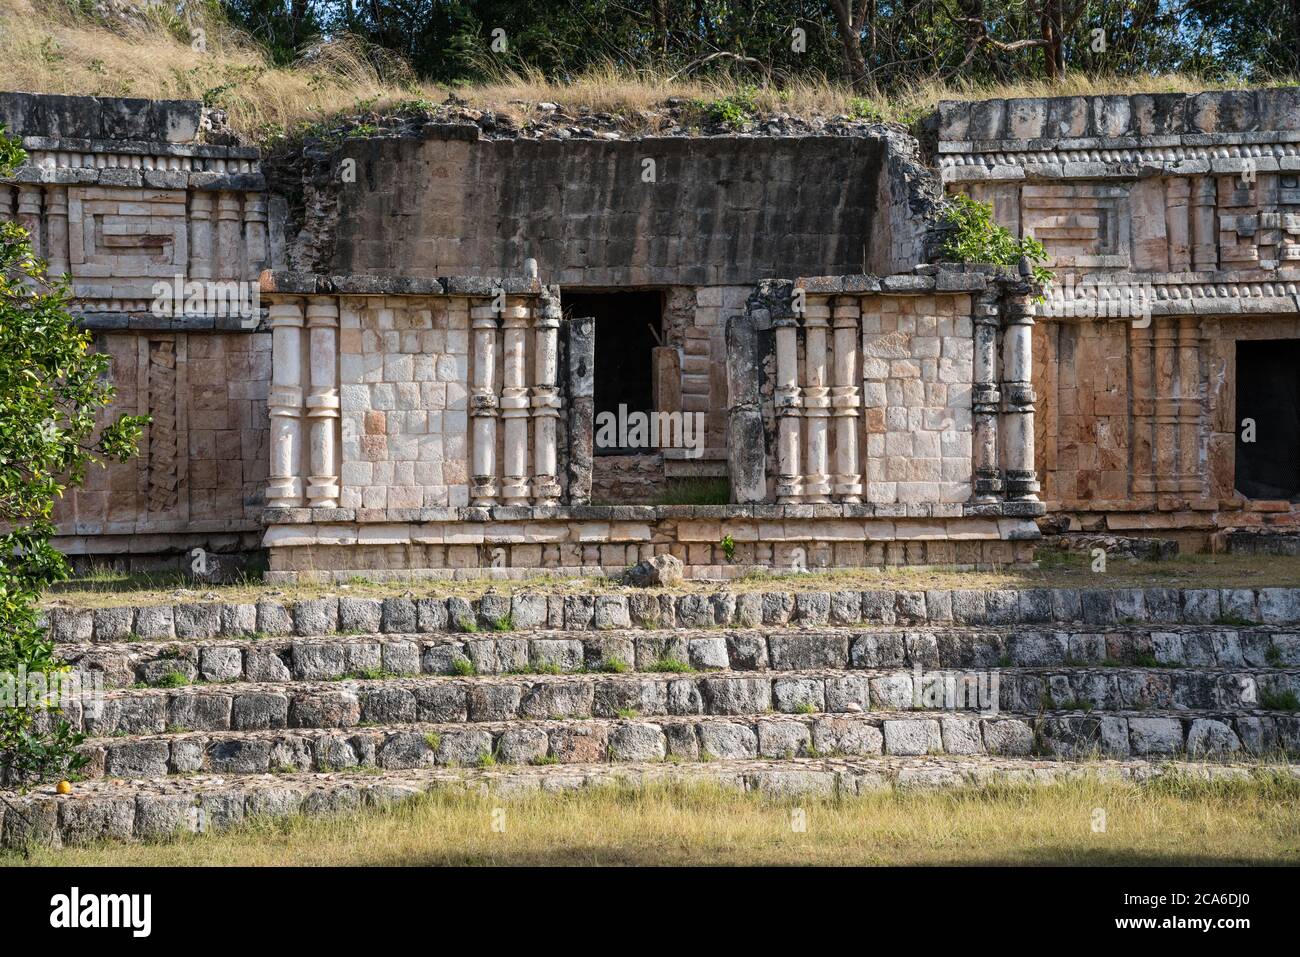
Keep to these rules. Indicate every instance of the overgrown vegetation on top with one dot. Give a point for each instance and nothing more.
(274, 76)
(887, 45)
(974, 237)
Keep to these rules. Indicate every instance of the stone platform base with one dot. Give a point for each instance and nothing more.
(215, 557)
(717, 542)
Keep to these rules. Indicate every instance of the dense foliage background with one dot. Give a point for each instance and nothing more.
(878, 44)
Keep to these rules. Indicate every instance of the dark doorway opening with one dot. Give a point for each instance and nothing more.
(1268, 393)
(628, 327)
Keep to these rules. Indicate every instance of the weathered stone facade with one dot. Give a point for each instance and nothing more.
(412, 396)
(1186, 207)
(120, 195)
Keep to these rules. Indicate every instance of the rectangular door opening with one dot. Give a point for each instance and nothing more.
(629, 325)
(1268, 419)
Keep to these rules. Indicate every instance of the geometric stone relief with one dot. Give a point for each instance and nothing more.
(164, 449)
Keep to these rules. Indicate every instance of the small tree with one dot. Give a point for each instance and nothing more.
(52, 388)
(974, 237)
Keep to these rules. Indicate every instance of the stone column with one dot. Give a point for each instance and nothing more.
(1143, 410)
(1163, 332)
(230, 245)
(56, 229)
(747, 448)
(846, 398)
(1189, 406)
(1018, 398)
(255, 231)
(200, 235)
(1205, 233)
(786, 398)
(29, 217)
(986, 399)
(483, 405)
(546, 400)
(323, 401)
(1177, 192)
(581, 356)
(514, 402)
(816, 401)
(285, 489)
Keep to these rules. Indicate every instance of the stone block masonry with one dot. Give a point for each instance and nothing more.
(215, 712)
(714, 212)
(1100, 608)
(413, 402)
(428, 433)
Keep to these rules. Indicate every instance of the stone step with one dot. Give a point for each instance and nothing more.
(132, 810)
(628, 608)
(1067, 734)
(375, 702)
(328, 658)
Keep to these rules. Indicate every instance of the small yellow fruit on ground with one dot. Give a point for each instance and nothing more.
(64, 787)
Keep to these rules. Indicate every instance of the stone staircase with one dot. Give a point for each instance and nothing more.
(215, 711)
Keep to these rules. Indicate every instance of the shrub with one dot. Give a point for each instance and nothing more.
(975, 238)
(52, 388)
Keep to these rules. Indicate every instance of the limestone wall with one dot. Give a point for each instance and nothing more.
(902, 390)
(653, 211)
(201, 473)
(369, 373)
(403, 378)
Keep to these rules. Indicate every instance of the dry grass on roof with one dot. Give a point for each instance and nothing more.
(47, 46)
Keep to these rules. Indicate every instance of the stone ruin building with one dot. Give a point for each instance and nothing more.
(442, 319)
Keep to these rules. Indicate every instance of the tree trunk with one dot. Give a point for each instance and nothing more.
(1046, 25)
(297, 14)
(855, 65)
(661, 25)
